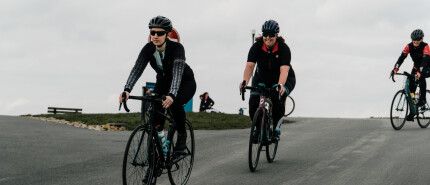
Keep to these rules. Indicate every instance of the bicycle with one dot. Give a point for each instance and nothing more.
(262, 127)
(403, 100)
(290, 104)
(145, 155)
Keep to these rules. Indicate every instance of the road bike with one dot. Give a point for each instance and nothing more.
(262, 128)
(145, 158)
(404, 102)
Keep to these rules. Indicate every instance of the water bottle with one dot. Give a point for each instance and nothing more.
(162, 139)
(417, 96)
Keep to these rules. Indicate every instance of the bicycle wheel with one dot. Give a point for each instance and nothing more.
(290, 104)
(399, 110)
(271, 147)
(138, 160)
(182, 165)
(255, 140)
(423, 117)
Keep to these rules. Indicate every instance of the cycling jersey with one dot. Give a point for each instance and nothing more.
(420, 57)
(172, 70)
(417, 55)
(174, 77)
(269, 63)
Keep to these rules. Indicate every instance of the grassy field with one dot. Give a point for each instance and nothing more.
(199, 120)
(208, 121)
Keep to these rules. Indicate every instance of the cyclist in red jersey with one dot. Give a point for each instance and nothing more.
(420, 54)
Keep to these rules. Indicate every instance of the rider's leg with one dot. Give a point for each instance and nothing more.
(423, 87)
(254, 100)
(412, 88)
(278, 112)
(185, 93)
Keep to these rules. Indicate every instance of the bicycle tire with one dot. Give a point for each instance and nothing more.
(180, 172)
(256, 136)
(401, 108)
(271, 147)
(423, 117)
(290, 105)
(133, 171)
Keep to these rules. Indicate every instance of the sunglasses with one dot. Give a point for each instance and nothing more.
(159, 33)
(268, 34)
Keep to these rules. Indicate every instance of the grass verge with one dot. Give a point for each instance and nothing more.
(199, 120)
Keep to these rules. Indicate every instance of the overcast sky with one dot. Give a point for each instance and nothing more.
(80, 53)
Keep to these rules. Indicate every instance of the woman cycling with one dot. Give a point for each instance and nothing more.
(174, 77)
(272, 57)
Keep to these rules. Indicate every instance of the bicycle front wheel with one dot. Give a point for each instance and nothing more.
(290, 104)
(423, 117)
(399, 110)
(272, 146)
(180, 170)
(255, 140)
(138, 160)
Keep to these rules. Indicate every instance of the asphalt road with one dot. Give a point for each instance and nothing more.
(311, 151)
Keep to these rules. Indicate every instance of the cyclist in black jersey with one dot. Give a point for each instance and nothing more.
(174, 77)
(420, 55)
(273, 59)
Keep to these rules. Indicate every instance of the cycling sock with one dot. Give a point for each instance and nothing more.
(278, 126)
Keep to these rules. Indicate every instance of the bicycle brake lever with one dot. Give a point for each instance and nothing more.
(279, 94)
(243, 90)
(124, 102)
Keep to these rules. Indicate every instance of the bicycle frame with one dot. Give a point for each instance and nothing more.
(409, 97)
(166, 163)
(265, 104)
(152, 128)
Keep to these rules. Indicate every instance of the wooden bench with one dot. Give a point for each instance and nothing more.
(56, 110)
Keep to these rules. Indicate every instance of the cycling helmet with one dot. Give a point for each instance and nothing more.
(417, 34)
(160, 22)
(270, 26)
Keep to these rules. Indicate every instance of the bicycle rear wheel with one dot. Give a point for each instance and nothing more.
(290, 104)
(399, 110)
(423, 117)
(182, 164)
(138, 157)
(271, 147)
(255, 140)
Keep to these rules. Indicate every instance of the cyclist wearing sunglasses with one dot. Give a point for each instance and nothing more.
(420, 52)
(174, 77)
(272, 56)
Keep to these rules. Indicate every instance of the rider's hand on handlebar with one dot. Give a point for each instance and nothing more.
(167, 102)
(281, 90)
(126, 98)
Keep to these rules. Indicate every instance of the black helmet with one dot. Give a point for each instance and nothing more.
(160, 22)
(417, 34)
(270, 26)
